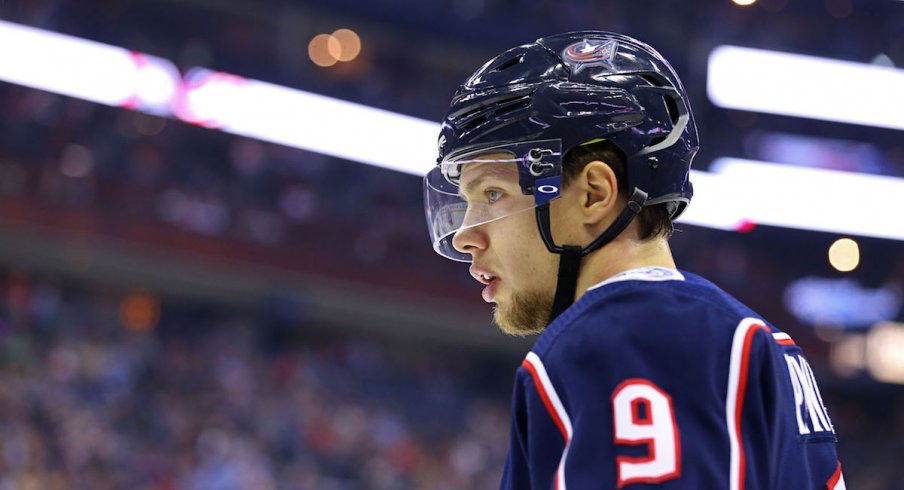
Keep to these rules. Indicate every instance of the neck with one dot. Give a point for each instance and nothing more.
(620, 255)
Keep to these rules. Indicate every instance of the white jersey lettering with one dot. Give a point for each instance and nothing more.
(809, 409)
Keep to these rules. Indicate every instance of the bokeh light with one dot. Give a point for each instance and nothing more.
(76, 161)
(744, 3)
(885, 352)
(344, 45)
(319, 51)
(139, 312)
(844, 255)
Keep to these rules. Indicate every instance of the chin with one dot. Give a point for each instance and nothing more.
(523, 314)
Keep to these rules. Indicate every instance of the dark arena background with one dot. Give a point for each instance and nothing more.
(214, 267)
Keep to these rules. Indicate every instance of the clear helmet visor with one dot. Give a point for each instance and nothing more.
(479, 186)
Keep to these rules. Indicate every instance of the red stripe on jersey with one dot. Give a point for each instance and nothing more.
(782, 338)
(739, 406)
(833, 483)
(546, 401)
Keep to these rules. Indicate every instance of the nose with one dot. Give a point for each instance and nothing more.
(469, 240)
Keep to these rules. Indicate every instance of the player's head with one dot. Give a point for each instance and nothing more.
(527, 122)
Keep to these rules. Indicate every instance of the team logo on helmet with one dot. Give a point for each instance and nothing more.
(590, 52)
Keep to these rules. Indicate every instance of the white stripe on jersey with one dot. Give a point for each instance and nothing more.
(550, 392)
(731, 402)
(781, 336)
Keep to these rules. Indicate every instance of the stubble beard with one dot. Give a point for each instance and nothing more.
(524, 314)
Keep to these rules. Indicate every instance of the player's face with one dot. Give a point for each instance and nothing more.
(508, 255)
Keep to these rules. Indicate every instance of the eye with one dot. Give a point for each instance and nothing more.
(493, 195)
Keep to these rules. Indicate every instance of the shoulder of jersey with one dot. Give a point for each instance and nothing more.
(680, 312)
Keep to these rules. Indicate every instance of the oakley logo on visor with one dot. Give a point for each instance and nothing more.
(546, 190)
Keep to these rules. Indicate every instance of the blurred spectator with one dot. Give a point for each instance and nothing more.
(203, 401)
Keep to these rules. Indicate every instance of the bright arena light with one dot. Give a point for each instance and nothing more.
(85, 69)
(744, 3)
(304, 120)
(202, 100)
(805, 86)
(736, 195)
(156, 84)
(844, 255)
(744, 191)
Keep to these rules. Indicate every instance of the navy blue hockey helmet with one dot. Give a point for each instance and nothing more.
(561, 92)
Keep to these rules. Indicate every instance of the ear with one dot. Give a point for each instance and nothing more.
(599, 192)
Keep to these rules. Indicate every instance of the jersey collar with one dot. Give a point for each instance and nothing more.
(655, 274)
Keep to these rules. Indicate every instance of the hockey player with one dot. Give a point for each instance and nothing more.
(562, 164)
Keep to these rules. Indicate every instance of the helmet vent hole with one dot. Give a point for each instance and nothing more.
(513, 106)
(510, 63)
(654, 81)
(473, 123)
(656, 140)
(672, 107)
(499, 110)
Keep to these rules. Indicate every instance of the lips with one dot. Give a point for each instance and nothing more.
(489, 293)
(491, 280)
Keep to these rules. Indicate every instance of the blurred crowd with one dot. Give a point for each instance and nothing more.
(61, 154)
(210, 398)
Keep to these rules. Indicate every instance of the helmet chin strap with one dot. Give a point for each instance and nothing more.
(570, 255)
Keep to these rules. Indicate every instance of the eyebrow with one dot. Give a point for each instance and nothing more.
(471, 186)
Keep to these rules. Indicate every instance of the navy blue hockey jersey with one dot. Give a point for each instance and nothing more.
(659, 379)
